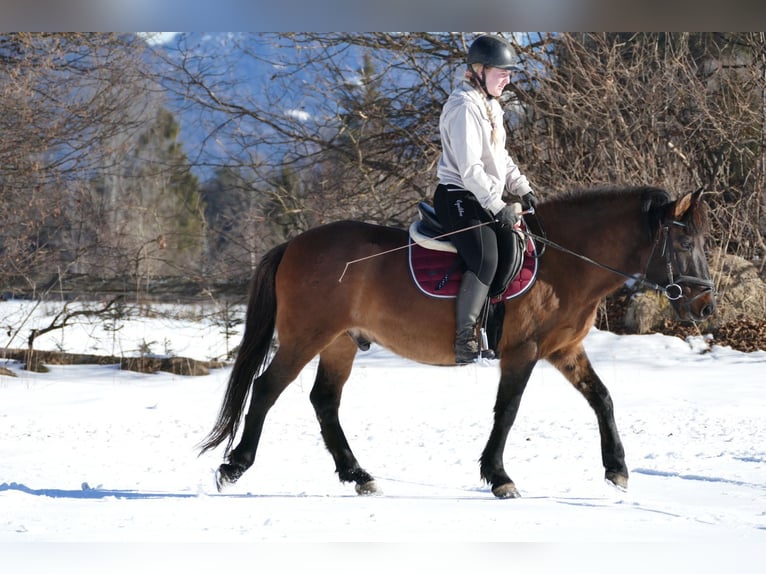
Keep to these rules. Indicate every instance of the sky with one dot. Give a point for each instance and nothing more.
(159, 38)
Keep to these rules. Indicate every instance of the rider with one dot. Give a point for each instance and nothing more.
(474, 171)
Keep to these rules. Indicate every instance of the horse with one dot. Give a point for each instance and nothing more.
(306, 299)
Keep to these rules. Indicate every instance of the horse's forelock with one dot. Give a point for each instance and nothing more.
(659, 206)
(655, 204)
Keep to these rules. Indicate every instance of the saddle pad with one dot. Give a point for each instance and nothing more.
(438, 273)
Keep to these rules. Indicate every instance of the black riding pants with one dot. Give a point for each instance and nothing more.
(457, 209)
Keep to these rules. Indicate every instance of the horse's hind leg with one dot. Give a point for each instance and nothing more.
(335, 364)
(266, 390)
(576, 367)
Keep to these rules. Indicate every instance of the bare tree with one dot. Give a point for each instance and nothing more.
(346, 125)
(677, 110)
(69, 104)
(342, 125)
(353, 119)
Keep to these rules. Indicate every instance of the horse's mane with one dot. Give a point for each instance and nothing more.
(612, 193)
(654, 203)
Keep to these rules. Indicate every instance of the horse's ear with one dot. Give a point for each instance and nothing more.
(685, 203)
(692, 211)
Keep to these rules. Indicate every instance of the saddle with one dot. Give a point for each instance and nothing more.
(437, 269)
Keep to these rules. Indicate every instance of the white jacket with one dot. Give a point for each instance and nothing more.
(468, 159)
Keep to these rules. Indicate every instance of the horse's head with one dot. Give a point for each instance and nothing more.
(678, 263)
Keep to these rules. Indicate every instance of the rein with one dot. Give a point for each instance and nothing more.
(673, 290)
(640, 280)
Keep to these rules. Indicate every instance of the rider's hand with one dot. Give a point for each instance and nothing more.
(529, 201)
(508, 216)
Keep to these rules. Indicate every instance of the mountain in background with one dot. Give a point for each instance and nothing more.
(244, 68)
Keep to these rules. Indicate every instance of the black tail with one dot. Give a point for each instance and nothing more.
(253, 351)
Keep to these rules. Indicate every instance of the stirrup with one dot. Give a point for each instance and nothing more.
(486, 352)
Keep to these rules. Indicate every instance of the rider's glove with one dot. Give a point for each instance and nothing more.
(507, 216)
(529, 201)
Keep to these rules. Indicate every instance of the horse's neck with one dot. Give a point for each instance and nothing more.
(612, 235)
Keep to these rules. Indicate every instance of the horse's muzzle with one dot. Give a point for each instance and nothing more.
(695, 304)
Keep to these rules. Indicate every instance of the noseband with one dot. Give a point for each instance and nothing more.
(673, 290)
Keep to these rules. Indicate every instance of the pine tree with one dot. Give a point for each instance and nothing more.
(151, 208)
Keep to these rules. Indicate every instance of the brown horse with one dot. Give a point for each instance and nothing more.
(299, 300)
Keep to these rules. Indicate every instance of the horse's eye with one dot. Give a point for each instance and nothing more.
(686, 243)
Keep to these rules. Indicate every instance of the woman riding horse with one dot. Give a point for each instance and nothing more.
(474, 171)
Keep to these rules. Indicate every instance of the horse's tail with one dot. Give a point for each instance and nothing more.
(253, 352)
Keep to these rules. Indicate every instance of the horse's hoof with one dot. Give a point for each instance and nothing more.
(507, 490)
(619, 481)
(226, 475)
(367, 488)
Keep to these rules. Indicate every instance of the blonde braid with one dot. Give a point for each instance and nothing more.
(495, 134)
(471, 75)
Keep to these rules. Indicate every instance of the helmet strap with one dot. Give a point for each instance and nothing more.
(482, 80)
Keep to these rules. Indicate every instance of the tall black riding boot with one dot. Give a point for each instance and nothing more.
(470, 300)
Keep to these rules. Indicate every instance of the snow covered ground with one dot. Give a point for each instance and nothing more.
(103, 457)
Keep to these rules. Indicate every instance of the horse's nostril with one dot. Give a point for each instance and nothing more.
(707, 310)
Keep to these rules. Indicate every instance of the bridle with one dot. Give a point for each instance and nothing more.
(673, 290)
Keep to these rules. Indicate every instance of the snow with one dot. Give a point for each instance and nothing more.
(107, 459)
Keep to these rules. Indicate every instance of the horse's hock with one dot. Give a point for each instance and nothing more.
(741, 297)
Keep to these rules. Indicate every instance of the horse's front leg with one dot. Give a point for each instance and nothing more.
(576, 367)
(513, 381)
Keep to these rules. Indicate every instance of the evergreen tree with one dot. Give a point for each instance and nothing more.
(150, 206)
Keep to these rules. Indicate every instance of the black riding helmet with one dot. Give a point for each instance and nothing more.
(492, 51)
